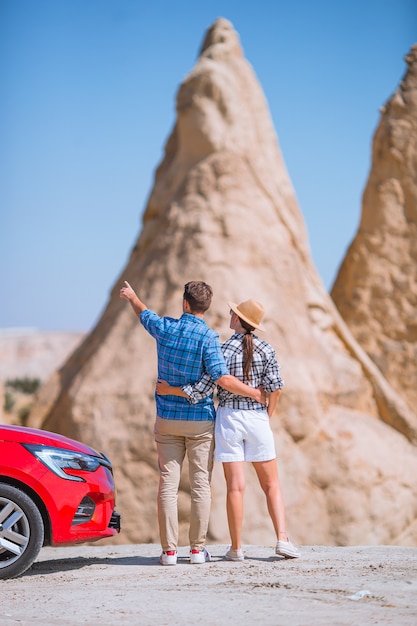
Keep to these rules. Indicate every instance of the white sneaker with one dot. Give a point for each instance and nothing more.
(234, 555)
(168, 558)
(286, 549)
(199, 556)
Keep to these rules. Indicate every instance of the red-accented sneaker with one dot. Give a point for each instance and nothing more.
(168, 558)
(199, 556)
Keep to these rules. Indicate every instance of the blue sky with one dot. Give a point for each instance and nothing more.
(88, 101)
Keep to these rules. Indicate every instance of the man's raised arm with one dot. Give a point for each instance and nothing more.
(127, 293)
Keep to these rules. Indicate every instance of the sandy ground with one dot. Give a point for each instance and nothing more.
(126, 585)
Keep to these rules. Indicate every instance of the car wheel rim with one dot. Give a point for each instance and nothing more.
(14, 532)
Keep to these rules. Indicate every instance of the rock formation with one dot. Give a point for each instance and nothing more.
(376, 287)
(223, 210)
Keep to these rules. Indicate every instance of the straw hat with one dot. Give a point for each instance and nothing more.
(250, 312)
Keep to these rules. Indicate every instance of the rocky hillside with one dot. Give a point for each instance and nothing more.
(223, 210)
(376, 287)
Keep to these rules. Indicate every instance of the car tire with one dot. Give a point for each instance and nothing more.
(21, 531)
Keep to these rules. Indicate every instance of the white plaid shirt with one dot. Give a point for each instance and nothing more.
(264, 371)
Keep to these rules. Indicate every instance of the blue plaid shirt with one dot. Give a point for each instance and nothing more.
(187, 349)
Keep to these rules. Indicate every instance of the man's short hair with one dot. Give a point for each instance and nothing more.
(198, 295)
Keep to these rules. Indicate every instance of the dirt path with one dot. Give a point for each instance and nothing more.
(126, 585)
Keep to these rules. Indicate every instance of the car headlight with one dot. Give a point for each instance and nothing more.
(58, 460)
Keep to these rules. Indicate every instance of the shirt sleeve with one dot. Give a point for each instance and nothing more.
(199, 390)
(151, 322)
(272, 378)
(213, 359)
(215, 367)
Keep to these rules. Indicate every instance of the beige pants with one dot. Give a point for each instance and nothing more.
(174, 439)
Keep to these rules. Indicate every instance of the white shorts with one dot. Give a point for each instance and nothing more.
(243, 435)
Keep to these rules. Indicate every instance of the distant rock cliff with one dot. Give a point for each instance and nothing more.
(28, 353)
(376, 287)
(223, 210)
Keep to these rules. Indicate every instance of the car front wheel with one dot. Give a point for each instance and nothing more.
(21, 531)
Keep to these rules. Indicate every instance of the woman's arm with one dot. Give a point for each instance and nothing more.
(164, 389)
(239, 388)
(273, 401)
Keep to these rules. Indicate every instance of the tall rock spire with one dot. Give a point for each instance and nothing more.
(376, 287)
(223, 210)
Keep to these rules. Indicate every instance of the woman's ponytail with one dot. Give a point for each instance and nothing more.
(247, 343)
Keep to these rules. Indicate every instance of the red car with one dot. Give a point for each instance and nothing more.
(53, 491)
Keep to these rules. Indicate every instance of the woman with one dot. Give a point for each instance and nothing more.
(242, 431)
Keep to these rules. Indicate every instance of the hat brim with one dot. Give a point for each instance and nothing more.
(235, 309)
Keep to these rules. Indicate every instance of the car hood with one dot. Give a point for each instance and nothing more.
(21, 434)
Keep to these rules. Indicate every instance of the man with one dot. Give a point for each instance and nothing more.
(187, 348)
